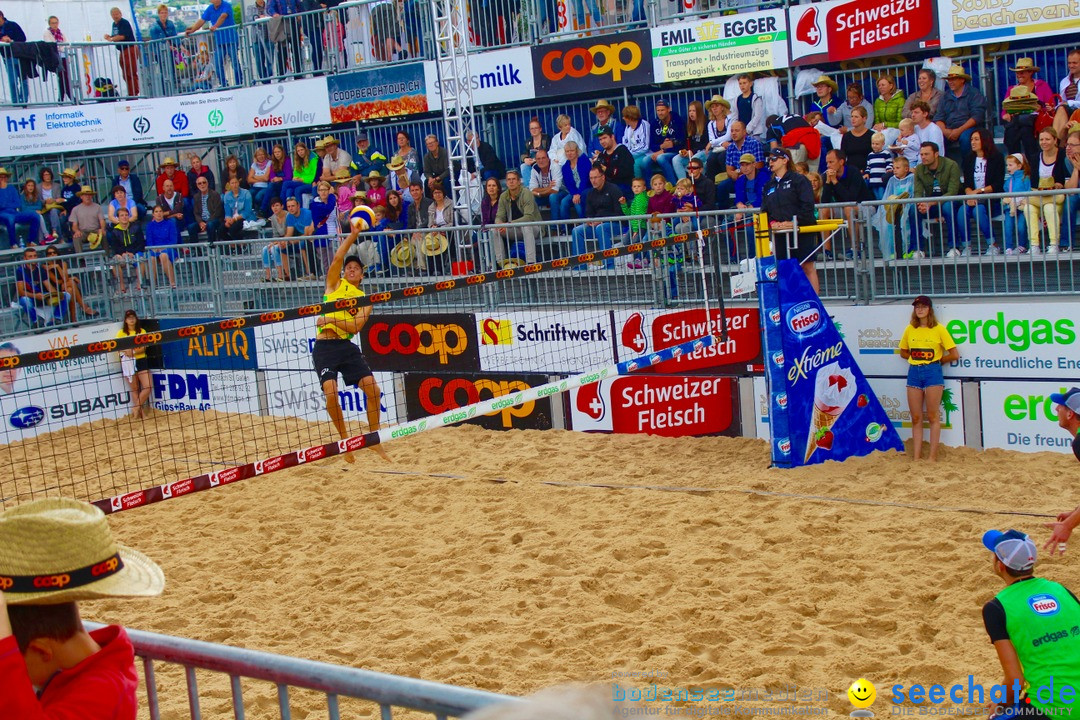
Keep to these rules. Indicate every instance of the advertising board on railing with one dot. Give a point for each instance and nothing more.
(499, 76)
(300, 395)
(747, 42)
(846, 29)
(46, 130)
(283, 106)
(1020, 416)
(428, 394)
(980, 22)
(551, 342)
(593, 64)
(668, 405)
(386, 92)
(647, 331)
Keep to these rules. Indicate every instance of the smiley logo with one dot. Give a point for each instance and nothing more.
(862, 694)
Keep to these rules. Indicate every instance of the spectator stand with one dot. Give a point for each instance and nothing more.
(1051, 59)
(90, 271)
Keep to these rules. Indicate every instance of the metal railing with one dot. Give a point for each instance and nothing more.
(389, 692)
(67, 284)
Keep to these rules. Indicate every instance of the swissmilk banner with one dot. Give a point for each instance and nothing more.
(822, 406)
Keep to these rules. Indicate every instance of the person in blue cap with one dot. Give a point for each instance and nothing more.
(1067, 407)
(1034, 625)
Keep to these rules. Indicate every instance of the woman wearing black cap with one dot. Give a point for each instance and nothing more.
(927, 346)
(787, 196)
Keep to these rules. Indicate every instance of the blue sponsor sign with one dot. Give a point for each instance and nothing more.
(822, 406)
(27, 417)
(220, 350)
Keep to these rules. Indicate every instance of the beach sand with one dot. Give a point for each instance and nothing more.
(461, 563)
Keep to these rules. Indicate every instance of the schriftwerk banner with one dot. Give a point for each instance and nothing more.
(819, 398)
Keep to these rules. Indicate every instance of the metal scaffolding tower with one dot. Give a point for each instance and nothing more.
(455, 81)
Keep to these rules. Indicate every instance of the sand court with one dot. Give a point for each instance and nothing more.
(496, 580)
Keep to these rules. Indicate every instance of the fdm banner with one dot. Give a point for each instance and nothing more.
(821, 405)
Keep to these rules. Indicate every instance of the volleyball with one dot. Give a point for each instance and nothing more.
(362, 217)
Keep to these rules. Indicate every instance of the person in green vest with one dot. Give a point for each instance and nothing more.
(1034, 625)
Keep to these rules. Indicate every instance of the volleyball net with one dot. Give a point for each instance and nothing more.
(237, 397)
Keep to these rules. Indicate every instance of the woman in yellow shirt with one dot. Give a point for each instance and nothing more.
(134, 364)
(927, 346)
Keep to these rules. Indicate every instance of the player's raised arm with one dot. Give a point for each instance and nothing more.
(333, 273)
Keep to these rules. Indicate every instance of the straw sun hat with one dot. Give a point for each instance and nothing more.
(58, 550)
(402, 254)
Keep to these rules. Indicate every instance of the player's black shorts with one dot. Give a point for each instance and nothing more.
(331, 357)
(141, 364)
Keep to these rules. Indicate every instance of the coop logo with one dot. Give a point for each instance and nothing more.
(617, 59)
(6, 582)
(444, 340)
(100, 347)
(27, 417)
(804, 318)
(193, 331)
(56, 581)
(148, 338)
(232, 324)
(179, 123)
(438, 395)
(807, 30)
(9, 361)
(57, 354)
(141, 125)
(108, 566)
(1044, 604)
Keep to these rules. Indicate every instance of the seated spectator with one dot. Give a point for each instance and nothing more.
(347, 188)
(376, 193)
(687, 202)
(889, 105)
(826, 101)
(635, 137)
(238, 209)
(60, 278)
(204, 76)
(69, 188)
(719, 135)
(545, 183)
(324, 217)
(567, 134)
(199, 170)
(878, 166)
(1017, 182)
(489, 202)
(179, 179)
(605, 118)
(367, 158)
(1072, 181)
(408, 155)
(418, 207)
(1020, 124)
(575, 179)
(537, 140)
(56, 211)
(907, 143)
(1069, 93)
(334, 158)
(962, 109)
(132, 184)
(900, 217)
(704, 189)
(638, 228)
(274, 254)
(615, 161)
(750, 108)
(844, 184)
(304, 169)
(436, 164)
(121, 200)
(209, 212)
(856, 142)
(441, 210)
(984, 172)
(1051, 175)
(741, 143)
(517, 205)
(924, 130)
(162, 237)
(259, 180)
(927, 91)
(668, 135)
(855, 99)
(697, 140)
(232, 169)
(126, 246)
(399, 177)
(299, 226)
(603, 203)
(31, 202)
(176, 207)
(749, 189)
(34, 291)
(661, 201)
(490, 164)
(937, 176)
(87, 221)
(280, 173)
(12, 212)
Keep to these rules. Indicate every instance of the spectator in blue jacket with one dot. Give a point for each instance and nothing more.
(33, 289)
(11, 209)
(164, 52)
(238, 209)
(125, 179)
(575, 174)
(162, 237)
(668, 136)
(749, 187)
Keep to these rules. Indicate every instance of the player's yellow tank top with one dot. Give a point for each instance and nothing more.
(343, 290)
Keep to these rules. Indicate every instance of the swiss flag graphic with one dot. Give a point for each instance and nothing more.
(633, 334)
(807, 30)
(591, 402)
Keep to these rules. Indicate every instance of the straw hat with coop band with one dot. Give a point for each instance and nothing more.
(434, 243)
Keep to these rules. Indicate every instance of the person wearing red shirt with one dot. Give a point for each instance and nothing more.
(50, 667)
(180, 179)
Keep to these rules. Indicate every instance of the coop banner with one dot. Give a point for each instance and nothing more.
(981, 22)
(593, 64)
(747, 42)
(668, 405)
(390, 91)
(832, 412)
(1020, 416)
(429, 394)
(1034, 341)
(640, 332)
(847, 29)
(892, 393)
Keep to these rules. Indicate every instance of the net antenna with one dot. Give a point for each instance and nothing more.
(455, 84)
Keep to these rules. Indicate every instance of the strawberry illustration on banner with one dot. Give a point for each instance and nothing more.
(823, 405)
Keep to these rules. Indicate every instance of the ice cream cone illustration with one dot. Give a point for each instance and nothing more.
(834, 388)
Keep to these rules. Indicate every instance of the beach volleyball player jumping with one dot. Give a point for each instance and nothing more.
(334, 352)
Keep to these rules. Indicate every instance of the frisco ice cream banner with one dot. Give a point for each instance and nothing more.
(821, 406)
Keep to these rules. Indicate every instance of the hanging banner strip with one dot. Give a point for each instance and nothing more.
(276, 316)
(228, 476)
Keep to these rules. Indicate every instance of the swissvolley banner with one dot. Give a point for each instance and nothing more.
(820, 404)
